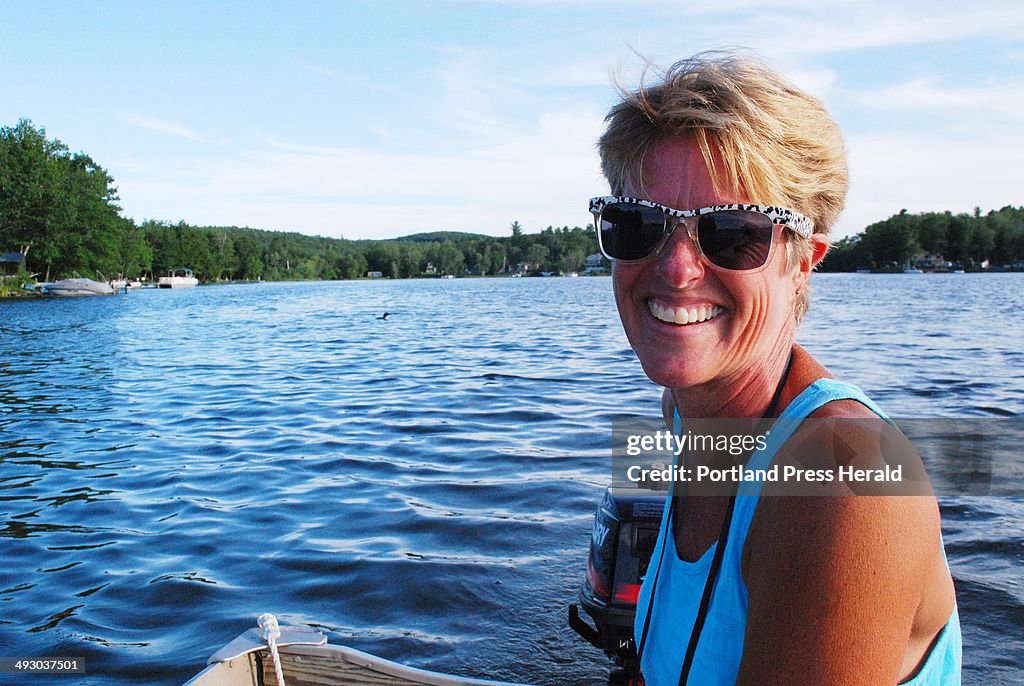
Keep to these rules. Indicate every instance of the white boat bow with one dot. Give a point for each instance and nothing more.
(307, 659)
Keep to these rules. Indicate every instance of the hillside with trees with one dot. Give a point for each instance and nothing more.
(233, 253)
(60, 211)
(935, 240)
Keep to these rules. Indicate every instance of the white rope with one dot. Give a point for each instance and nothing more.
(271, 632)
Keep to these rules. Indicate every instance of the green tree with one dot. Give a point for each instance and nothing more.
(222, 254)
(958, 237)
(30, 192)
(351, 263)
(411, 262)
(983, 240)
(932, 228)
(846, 255)
(90, 238)
(499, 258)
(537, 255)
(248, 262)
(573, 260)
(134, 256)
(450, 259)
(893, 241)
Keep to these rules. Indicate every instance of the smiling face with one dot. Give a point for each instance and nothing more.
(691, 324)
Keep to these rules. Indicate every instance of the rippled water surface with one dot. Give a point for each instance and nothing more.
(174, 463)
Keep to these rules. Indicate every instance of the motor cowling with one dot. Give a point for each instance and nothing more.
(621, 542)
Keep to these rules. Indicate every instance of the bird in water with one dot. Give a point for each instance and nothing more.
(384, 316)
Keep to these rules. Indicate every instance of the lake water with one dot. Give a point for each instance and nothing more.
(174, 463)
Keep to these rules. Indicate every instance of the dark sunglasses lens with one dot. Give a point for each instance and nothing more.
(735, 239)
(630, 231)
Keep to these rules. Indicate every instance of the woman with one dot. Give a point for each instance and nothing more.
(726, 180)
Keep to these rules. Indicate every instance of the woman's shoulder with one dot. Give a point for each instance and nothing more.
(843, 408)
(838, 398)
(854, 554)
(844, 491)
(844, 575)
(863, 562)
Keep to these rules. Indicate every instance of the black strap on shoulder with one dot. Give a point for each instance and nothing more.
(709, 588)
(716, 562)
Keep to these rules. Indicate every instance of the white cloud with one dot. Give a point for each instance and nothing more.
(865, 25)
(344, 77)
(486, 137)
(927, 95)
(819, 81)
(475, 94)
(924, 146)
(163, 127)
(922, 173)
(805, 28)
(541, 177)
(593, 71)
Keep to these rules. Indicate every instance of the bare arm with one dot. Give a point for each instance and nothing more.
(843, 589)
(834, 597)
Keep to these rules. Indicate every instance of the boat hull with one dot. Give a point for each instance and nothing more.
(180, 277)
(321, 664)
(178, 282)
(73, 288)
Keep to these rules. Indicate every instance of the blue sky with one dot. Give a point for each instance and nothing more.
(381, 119)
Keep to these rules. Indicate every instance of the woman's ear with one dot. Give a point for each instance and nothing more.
(819, 247)
(810, 259)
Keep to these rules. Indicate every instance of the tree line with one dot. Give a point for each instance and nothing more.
(935, 240)
(234, 253)
(60, 210)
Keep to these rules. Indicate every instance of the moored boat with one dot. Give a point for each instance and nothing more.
(125, 284)
(179, 277)
(305, 657)
(76, 287)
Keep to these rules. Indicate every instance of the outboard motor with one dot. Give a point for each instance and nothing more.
(625, 530)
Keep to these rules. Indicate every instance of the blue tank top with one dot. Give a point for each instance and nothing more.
(681, 584)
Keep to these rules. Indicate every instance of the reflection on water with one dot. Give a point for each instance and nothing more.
(174, 463)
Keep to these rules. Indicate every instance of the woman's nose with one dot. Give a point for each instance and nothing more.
(679, 262)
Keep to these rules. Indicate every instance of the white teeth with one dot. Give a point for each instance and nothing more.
(682, 315)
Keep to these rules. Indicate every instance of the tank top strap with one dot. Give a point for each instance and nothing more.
(813, 397)
(676, 595)
(806, 403)
(809, 400)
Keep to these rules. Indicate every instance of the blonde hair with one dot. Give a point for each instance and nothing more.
(760, 136)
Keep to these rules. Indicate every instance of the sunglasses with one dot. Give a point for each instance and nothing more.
(735, 237)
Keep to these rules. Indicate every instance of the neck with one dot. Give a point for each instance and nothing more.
(747, 394)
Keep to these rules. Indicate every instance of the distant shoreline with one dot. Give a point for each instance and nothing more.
(22, 293)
